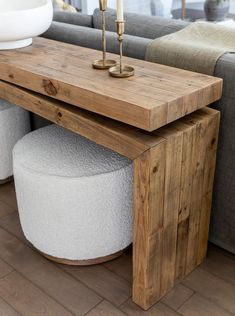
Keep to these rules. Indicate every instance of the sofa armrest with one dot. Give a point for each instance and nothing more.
(88, 37)
(225, 69)
(222, 230)
(73, 18)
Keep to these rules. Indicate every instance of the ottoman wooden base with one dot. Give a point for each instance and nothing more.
(83, 262)
(4, 181)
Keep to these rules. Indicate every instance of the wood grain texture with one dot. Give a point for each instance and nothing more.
(171, 181)
(88, 262)
(172, 176)
(185, 201)
(122, 266)
(75, 297)
(156, 96)
(212, 288)
(104, 309)
(7, 310)
(198, 305)
(5, 209)
(13, 289)
(207, 188)
(8, 196)
(124, 139)
(148, 197)
(177, 296)
(104, 282)
(158, 309)
(219, 264)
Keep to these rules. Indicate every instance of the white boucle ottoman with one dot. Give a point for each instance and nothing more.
(74, 196)
(14, 124)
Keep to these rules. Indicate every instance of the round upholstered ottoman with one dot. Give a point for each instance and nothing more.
(14, 124)
(74, 196)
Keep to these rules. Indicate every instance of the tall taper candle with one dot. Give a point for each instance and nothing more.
(120, 15)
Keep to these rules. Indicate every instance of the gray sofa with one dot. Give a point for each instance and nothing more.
(85, 31)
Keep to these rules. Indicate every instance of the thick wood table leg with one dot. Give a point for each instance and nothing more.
(173, 184)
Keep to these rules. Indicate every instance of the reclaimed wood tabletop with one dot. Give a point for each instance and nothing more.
(154, 97)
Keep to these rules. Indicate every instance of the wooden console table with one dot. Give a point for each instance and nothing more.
(173, 163)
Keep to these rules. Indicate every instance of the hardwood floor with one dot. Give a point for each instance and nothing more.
(31, 285)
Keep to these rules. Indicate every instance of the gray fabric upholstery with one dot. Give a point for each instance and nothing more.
(133, 46)
(73, 18)
(140, 25)
(222, 230)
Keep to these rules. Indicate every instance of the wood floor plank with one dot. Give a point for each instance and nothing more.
(104, 282)
(47, 276)
(4, 269)
(7, 195)
(177, 296)
(105, 309)
(7, 310)
(5, 209)
(219, 263)
(28, 299)
(159, 309)
(199, 306)
(11, 223)
(122, 266)
(215, 291)
(212, 288)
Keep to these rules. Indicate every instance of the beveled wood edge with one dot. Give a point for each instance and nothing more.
(88, 262)
(4, 181)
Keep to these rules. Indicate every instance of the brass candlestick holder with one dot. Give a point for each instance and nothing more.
(121, 71)
(103, 63)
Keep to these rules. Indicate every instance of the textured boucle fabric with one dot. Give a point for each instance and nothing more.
(14, 124)
(74, 196)
(66, 154)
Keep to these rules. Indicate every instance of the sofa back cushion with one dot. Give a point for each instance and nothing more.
(133, 46)
(73, 18)
(140, 25)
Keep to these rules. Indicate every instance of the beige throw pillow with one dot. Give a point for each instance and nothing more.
(61, 5)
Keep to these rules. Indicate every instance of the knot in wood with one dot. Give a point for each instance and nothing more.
(155, 169)
(49, 87)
